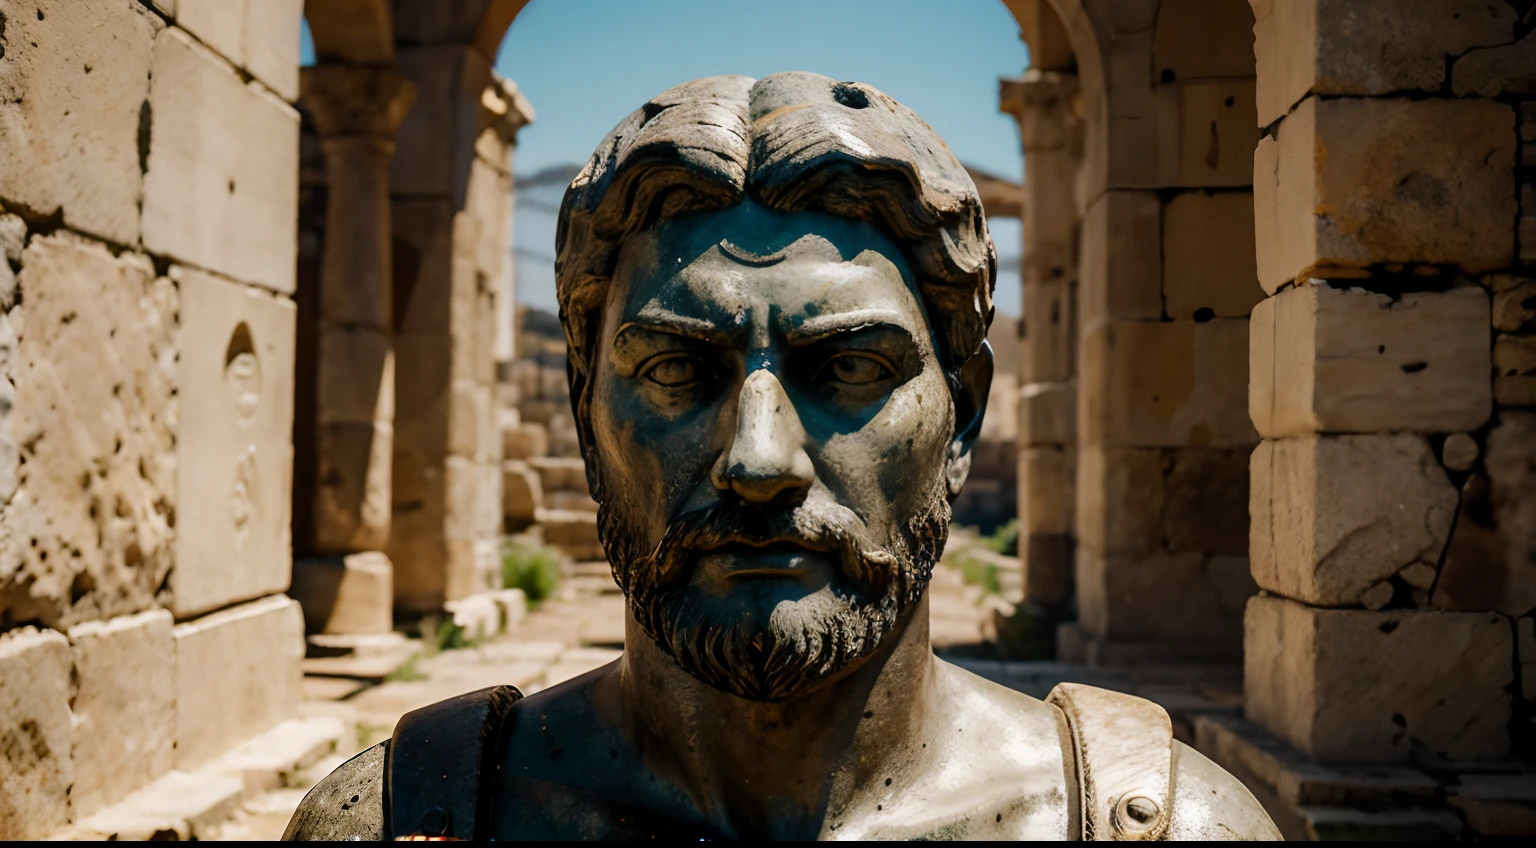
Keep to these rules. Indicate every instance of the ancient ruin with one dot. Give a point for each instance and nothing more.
(1276, 404)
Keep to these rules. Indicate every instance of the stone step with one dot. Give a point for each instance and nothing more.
(273, 759)
(372, 667)
(178, 806)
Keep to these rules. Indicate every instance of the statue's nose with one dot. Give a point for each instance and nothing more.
(766, 456)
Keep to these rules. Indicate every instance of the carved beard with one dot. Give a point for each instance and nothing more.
(727, 642)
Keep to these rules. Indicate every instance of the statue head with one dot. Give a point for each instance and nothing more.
(776, 295)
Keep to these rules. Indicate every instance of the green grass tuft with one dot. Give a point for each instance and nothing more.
(533, 568)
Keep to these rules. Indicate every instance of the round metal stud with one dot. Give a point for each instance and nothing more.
(1137, 814)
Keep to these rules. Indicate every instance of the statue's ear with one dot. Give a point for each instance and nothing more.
(970, 408)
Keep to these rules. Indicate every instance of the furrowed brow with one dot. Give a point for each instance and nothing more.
(663, 322)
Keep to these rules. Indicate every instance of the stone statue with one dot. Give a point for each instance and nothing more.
(776, 294)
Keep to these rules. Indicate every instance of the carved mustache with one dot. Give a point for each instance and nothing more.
(826, 527)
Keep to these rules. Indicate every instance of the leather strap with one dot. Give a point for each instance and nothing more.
(441, 766)
(1124, 748)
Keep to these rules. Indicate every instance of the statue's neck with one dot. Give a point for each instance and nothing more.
(778, 769)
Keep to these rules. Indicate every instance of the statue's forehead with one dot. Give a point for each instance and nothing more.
(730, 258)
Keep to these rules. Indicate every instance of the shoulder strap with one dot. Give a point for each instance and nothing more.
(441, 766)
(1124, 748)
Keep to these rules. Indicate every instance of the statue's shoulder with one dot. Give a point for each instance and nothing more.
(1137, 782)
(437, 764)
(347, 805)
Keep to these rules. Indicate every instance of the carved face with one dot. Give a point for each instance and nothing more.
(772, 431)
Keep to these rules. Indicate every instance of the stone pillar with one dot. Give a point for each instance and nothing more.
(357, 111)
(452, 205)
(1393, 493)
(1167, 281)
(1045, 105)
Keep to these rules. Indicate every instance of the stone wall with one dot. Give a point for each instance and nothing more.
(1392, 369)
(148, 184)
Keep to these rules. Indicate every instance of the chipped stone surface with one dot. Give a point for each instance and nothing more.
(1358, 686)
(1491, 561)
(36, 733)
(237, 674)
(522, 495)
(89, 532)
(125, 708)
(1165, 384)
(1327, 359)
(1356, 182)
(234, 447)
(1492, 71)
(221, 186)
(1209, 269)
(352, 594)
(1514, 369)
(1514, 305)
(1458, 453)
(73, 83)
(1334, 515)
(1217, 132)
(272, 44)
(1344, 47)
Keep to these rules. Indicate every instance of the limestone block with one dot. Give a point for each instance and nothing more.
(1197, 39)
(1345, 47)
(234, 449)
(1359, 686)
(423, 249)
(1048, 413)
(1120, 273)
(1217, 132)
(356, 375)
(1514, 368)
(221, 179)
(1166, 597)
(36, 732)
(582, 502)
(1048, 344)
(423, 364)
(1351, 183)
(1514, 305)
(1047, 561)
(524, 441)
(237, 675)
(1165, 384)
(1334, 515)
(220, 24)
(95, 418)
(1208, 260)
(560, 473)
(1459, 452)
(1492, 71)
(522, 495)
(355, 486)
(1142, 502)
(469, 419)
(1045, 488)
(272, 44)
(1497, 804)
(351, 594)
(13, 238)
(574, 533)
(72, 96)
(125, 712)
(1325, 359)
(435, 142)
(1491, 561)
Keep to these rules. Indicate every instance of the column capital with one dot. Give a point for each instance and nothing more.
(504, 109)
(356, 100)
(1047, 106)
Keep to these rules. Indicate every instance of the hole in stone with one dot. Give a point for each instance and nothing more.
(1388, 626)
(1397, 719)
(850, 95)
(1230, 100)
(887, 781)
(999, 816)
(231, 186)
(1414, 367)
(1381, 348)
(1204, 314)
(1168, 75)
(239, 342)
(39, 14)
(82, 585)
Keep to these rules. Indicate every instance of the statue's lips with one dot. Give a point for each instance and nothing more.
(780, 559)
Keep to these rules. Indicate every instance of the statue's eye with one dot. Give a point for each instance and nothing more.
(674, 371)
(856, 369)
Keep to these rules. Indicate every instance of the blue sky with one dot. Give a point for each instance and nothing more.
(585, 64)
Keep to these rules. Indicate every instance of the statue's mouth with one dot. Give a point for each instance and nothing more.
(774, 559)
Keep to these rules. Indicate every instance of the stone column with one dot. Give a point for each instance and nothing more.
(357, 111)
(1387, 205)
(1044, 103)
(451, 199)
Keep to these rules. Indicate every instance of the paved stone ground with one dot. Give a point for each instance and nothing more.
(582, 629)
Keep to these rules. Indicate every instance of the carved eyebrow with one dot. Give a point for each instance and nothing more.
(816, 329)
(668, 323)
